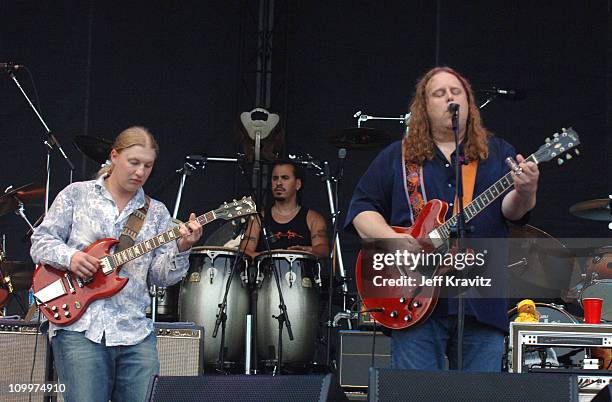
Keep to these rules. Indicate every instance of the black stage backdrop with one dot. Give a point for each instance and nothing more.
(180, 69)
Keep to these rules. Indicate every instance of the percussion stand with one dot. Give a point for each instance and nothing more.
(191, 164)
(221, 315)
(283, 317)
(323, 170)
(336, 255)
(51, 142)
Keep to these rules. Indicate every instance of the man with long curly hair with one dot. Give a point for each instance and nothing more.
(407, 174)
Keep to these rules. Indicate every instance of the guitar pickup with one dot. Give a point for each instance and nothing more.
(50, 292)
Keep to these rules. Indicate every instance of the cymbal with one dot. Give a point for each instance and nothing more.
(95, 148)
(595, 210)
(20, 273)
(359, 138)
(539, 265)
(27, 194)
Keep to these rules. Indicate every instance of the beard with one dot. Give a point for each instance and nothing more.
(278, 197)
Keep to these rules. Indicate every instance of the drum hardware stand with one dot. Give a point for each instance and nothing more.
(221, 315)
(322, 170)
(20, 208)
(403, 119)
(21, 212)
(51, 142)
(191, 164)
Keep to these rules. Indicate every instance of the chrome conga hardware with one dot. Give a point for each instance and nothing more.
(300, 270)
(199, 300)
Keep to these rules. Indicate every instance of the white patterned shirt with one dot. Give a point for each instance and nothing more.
(84, 212)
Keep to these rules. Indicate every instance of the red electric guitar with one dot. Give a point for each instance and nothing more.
(62, 297)
(405, 306)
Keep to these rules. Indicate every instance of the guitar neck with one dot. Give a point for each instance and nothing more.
(481, 202)
(137, 250)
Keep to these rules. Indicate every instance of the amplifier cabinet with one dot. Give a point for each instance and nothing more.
(356, 357)
(180, 347)
(18, 341)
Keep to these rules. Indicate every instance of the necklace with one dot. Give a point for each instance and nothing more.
(278, 211)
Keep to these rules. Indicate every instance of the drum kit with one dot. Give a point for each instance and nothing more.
(16, 276)
(541, 265)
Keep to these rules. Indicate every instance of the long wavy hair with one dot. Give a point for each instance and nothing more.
(418, 143)
(128, 138)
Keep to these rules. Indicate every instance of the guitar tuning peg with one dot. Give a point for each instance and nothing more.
(547, 139)
(564, 129)
(577, 152)
(560, 161)
(555, 135)
(233, 223)
(568, 156)
(242, 220)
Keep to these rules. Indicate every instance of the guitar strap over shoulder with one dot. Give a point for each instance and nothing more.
(132, 226)
(416, 186)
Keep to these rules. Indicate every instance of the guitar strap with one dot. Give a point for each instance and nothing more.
(132, 226)
(416, 185)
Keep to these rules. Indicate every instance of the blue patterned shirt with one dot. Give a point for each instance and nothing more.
(84, 212)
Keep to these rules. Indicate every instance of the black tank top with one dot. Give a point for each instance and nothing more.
(293, 233)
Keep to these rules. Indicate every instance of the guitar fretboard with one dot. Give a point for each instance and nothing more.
(147, 246)
(481, 202)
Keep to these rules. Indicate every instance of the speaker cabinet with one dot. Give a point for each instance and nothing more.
(180, 347)
(245, 388)
(23, 350)
(403, 385)
(356, 356)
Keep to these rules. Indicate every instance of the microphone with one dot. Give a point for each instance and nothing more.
(10, 66)
(268, 236)
(341, 159)
(453, 107)
(505, 93)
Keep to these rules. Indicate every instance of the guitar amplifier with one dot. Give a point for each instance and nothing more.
(180, 347)
(23, 350)
(356, 357)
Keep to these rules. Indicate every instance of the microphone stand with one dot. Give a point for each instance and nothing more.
(51, 142)
(283, 317)
(335, 257)
(221, 314)
(460, 230)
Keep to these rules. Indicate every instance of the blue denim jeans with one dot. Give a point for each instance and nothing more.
(428, 346)
(95, 372)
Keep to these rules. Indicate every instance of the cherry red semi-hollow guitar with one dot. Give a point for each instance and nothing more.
(63, 298)
(403, 307)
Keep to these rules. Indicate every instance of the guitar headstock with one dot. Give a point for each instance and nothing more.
(558, 145)
(236, 209)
